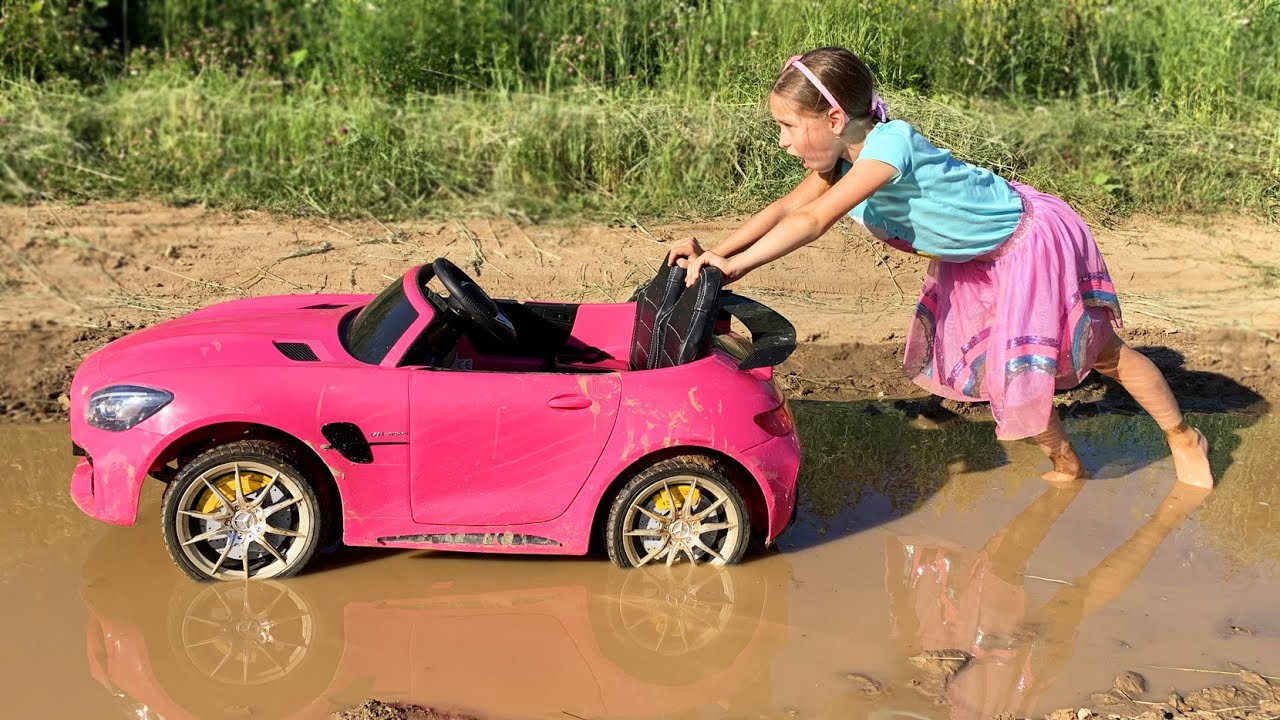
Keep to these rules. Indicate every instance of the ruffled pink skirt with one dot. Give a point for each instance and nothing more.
(1013, 326)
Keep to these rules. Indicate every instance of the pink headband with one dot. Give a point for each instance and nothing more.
(879, 109)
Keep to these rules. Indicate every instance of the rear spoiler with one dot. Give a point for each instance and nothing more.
(773, 337)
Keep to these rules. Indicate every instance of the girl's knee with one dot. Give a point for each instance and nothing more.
(1108, 360)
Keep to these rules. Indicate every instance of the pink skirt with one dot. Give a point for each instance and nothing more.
(1014, 325)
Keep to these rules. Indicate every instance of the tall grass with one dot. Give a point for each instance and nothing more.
(635, 107)
(253, 142)
(1198, 57)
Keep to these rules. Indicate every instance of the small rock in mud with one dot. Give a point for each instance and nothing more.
(1130, 683)
(941, 662)
(864, 685)
(378, 710)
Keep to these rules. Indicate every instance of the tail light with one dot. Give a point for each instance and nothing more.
(778, 421)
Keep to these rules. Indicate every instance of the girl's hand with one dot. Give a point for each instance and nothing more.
(682, 251)
(726, 266)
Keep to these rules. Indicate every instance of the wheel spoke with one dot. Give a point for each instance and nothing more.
(673, 553)
(713, 527)
(272, 510)
(271, 549)
(226, 550)
(272, 605)
(221, 662)
(202, 643)
(666, 541)
(244, 543)
(707, 511)
(698, 541)
(218, 493)
(281, 531)
(216, 532)
(239, 488)
(270, 657)
(262, 494)
(651, 514)
(671, 499)
(686, 507)
(646, 532)
(207, 517)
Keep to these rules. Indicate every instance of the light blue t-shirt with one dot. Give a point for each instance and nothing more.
(937, 205)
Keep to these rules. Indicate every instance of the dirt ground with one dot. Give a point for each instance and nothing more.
(1246, 696)
(1201, 296)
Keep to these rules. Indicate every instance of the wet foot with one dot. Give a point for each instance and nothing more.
(1190, 456)
(1066, 469)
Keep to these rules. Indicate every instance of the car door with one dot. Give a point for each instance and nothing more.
(493, 448)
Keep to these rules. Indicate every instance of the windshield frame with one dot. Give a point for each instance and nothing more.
(401, 314)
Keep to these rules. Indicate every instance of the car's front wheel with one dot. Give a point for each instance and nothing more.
(684, 509)
(242, 510)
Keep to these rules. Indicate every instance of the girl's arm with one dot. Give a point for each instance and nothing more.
(807, 190)
(801, 226)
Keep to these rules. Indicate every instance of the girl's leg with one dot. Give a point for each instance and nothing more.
(1142, 379)
(1055, 443)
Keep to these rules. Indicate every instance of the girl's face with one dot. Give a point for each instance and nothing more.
(816, 140)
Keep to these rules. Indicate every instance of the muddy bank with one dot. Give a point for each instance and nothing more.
(78, 277)
(1249, 696)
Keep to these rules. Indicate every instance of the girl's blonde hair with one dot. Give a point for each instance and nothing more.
(845, 76)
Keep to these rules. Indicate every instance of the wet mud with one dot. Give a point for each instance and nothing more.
(930, 574)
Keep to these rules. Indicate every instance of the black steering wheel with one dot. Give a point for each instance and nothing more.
(467, 300)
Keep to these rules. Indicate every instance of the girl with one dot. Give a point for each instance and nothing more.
(1017, 301)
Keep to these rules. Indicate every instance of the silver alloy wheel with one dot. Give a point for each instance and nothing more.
(683, 515)
(258, 529)
(247, 633)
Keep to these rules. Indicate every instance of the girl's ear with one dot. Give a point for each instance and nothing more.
(836, 120)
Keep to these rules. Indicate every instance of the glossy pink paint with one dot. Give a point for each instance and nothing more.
(478, 455)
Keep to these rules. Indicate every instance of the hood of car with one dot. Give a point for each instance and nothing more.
(266, 331)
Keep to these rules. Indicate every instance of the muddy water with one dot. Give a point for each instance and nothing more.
(908, 540)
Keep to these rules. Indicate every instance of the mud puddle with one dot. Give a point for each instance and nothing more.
(916, 551)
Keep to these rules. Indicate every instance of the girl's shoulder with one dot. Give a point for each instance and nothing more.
(899, 131)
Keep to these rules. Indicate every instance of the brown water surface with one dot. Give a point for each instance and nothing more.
(907, 540)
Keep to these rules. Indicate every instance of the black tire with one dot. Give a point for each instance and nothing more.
(210, 540)
(723, 543)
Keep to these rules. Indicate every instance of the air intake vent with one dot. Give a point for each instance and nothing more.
(324, 306)
(299, 352)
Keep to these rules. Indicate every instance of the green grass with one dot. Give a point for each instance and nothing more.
(249, 142)
(620, 108)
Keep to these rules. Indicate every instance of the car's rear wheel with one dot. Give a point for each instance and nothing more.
(684, 509)
(242, 510)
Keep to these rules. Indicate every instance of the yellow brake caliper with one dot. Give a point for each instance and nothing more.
(250, 482)
(682, 496)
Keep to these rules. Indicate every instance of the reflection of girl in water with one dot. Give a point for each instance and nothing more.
(944, 596)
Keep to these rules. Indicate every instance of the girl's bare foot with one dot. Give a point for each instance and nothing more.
(1190, 456)
(1057, 446)
(1067, 467)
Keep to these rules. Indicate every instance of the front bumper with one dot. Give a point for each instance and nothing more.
(106, 486)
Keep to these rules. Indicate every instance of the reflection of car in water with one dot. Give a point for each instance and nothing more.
(496, 637)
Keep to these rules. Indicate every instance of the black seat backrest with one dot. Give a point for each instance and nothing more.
(685, 335)
(654, 302)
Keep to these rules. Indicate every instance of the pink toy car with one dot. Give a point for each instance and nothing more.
(419, 420)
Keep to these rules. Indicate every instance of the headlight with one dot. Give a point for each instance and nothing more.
(120, 407)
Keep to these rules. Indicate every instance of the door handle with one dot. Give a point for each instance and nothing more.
(570, 402)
